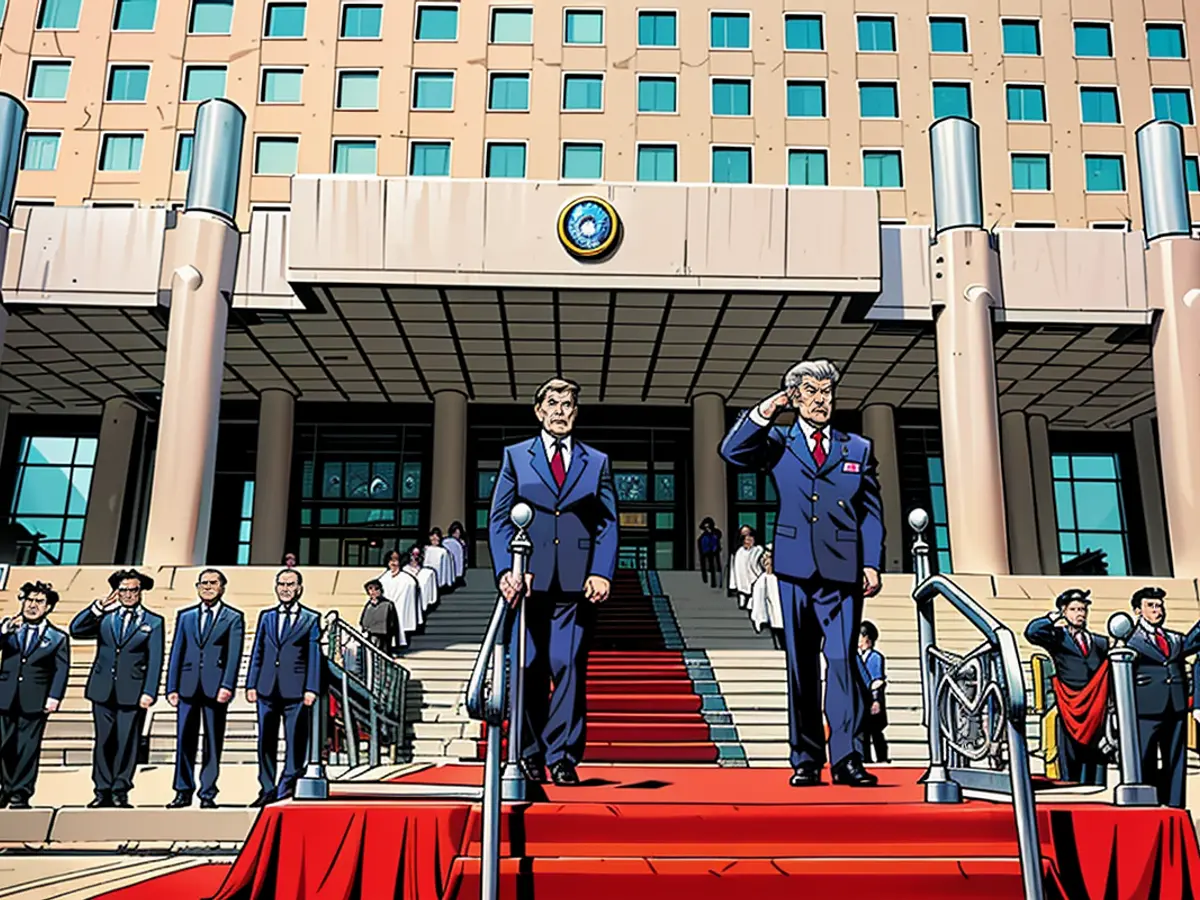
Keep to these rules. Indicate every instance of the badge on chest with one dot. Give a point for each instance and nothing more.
(851, 467)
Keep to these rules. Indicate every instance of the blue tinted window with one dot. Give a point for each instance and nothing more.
(276, 156)
(1164, 41)
(656, 94)
(808, 167)
(285, 20)
(951, 100)
(656, 163)
(281, 86)
(245, 526)
(806, 99)
(583, 161)
(434, 23)
(948, 35)
(731, 165)
(121, 153)
(202, 83)
(62, 14)
(512, 26)
(430, 159)
(878, 101)
(1104, 173)
(1191, 172)
(730, 97)
(183, 153)
(583, 92)
(354, 157)
(882, 169)
(1099, 105)
(509, 91)
(630, 487)
(1089, 508)
(876, 34)
(802, 33)
(939, 517)
(135, 15)
(1173, 104)
(730, 31)
(1093, 39)
(1022, 39)
(128, 84)
(747, 487)
(485, 484)
(506, 161)
(1026, 103)
(41, 152)
(584, 26)
(54, 478)
(656, 29)
(358, 90)
(1030, 172)
(49, 80)
(211, 17)
(433, 90)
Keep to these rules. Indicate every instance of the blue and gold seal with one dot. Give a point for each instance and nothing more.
(588, 227)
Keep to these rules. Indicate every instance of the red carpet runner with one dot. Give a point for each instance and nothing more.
(641, 705)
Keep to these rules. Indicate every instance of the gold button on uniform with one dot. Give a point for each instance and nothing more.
(558, 512)
(815, 498)
(814, 518)
(556, 540)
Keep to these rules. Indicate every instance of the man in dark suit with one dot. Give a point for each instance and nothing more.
(1161, 693)
(1081, 684)
(284, 681)
(708, 546)
(124, 680)
(201, 678)
(35, 658)
(828, 550)
(569, 485)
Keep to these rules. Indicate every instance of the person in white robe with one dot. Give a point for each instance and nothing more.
(438, 558)
(401, 588)
(734, 546)
(427, 585)
(457, 535)
(765, 608)
(746, 567)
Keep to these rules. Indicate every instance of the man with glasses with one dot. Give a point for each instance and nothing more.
(283, 681)
(201, 677)
(123, 682)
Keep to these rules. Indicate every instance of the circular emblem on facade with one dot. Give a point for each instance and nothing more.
(588, 227)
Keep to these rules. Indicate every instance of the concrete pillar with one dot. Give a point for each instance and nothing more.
(1150, 486)
(448, 491)
(110, 481)
(272, 477)
(879, 426)
(1043, 494)
(710, 486)
(1021, 506)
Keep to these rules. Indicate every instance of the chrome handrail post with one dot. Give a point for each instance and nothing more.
(1131, 791)
(314, 783)
(514, 785)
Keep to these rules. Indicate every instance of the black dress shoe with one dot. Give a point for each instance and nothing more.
(120, 801)
(181, 800)
(805, 776)
(534, 771)
(102, 801)
(563, 774)
(208, 803)
(4, 798)
(263, 799)
(850, 771)
(19, 803)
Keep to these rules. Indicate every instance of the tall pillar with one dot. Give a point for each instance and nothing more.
(272, 476)
(1173, 291)
(966, 287)
(879, 426)
(205, 258)
(1150, 486)
(1043, 494)
(1020, 510)
(710, 487)
(110, 480)
(448, 493)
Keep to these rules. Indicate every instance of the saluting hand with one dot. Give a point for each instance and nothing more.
(109, 603)
(774, 405)
(11, 624)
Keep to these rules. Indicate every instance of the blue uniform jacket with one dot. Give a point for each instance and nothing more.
(830, 522)
(123, 670)
(27, 682)
(199, 667)
(286, 669)
(1160, 683)
(574, 531)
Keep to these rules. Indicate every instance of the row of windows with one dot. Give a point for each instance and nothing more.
(655, 28)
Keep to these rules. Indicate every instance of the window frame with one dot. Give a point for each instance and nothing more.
(797, 13)
(1191, 102)
(859, 16)
(427, 4)
(1038, 224)
(1124, 172)
(491, 75)
(823, 82)
(638, 28)
(945, 17)
(1111, 225)
(1045, 105)
(862, 161)
(120, 132)
(562, 88)
(190, 67)
(1116, 89)
(657, 76)
(179, 138)
(1112, 43)
(1188, 157)
(40, 132)
(262, 85)
(34, 62)
(382, 12)
(191, 19)
(412, 144)
(748, 80)
(637, 149)
(879, 82)
(273, 136)
(417, 73)
(731, 12)
(1036, 21)
(291, 37)
(64, 516)
(490, 142)
(1174, 23)
(787, 164)
(567, 10)
(934, 85)
(492, 10)
(40, 8)
(126, 64)
(581, 142)
(337, 88)
(117, 11)
(712, 161)
(343, 138)
(1049, 157)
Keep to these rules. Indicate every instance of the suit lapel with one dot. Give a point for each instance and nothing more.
(800, 447)
(837, 452)
(1147, 646)
(273, 627)
(541, 465)
(295, 625)
(579, 461)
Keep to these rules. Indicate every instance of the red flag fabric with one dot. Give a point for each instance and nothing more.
(1082, 709)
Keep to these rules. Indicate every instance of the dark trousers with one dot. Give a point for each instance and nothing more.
(1163, 741)
(558, 629)
(20, 748)
(812, 609)
(875, 748)
(710, 568)
(296, 719)
(114, 758)
(1078, 762)
(191, 713)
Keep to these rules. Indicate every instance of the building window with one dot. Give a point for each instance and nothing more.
(40, 153)
(1022, 38)
(802, 32)
(1030, 172)
(285, 20)
(433, 90)
(135, 15)
(1098, 105)
(202, 83)
(49, 80)
(941, 520)
(211, 17)
(128, 84)
(1191, 173)
(1165, 41)
(882, 169)
(657, 29)
(806, 99)
(121, 152)
(54, 480)
(951, 100)
(245, 523)
(808, 167)
(354, 157)
(755, 504)
(276, 155)
(62, 15)
(583, 93)
(506, 160)
(1173, 104)
(509, 92)
(280, 86)
(731, 165)
(1093, 39)
(1104, 173)
(429, 159)
(729, 31)
(657, 94)
(730, 97)
(583, 26)
(358, 90)
(364, 21)
(876, 34)
(512, 26)
(1026, 103)
(657, 162)
(183, 152)
(1087, 503)
(582, 162)
(947, 35)
(878, 101)
(437, 23)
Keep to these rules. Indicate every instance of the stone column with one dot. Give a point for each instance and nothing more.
(1150, 486)
(1043, 494)
(879, 425)
(448, 490)
(710, 486)
(110, 478)
(272, 477)
(1021, 506)
(205, 246)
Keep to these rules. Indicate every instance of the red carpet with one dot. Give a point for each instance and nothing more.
(193, 883)
(640, 703)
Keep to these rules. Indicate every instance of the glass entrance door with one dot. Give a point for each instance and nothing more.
(365, 552)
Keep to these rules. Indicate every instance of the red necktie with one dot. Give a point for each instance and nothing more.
(1163, 647)
(557, 468)
(1083, 644)
(818, 448)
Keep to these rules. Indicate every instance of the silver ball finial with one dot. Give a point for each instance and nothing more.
(521, 515)
(918, 520)
(1120, 626)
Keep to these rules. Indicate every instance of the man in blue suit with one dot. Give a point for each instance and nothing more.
(569, 485)
(201, 678)
(828, 549)
(283, 681)
(124, 680)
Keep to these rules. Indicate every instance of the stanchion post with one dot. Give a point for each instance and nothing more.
(314, 784)
(513, 785)
(1131, 791)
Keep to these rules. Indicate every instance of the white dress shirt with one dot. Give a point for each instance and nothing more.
(23, 635)
(548, 442)
(216, 613)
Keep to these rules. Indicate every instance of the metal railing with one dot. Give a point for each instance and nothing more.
(1131, 791)
(974, 709)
